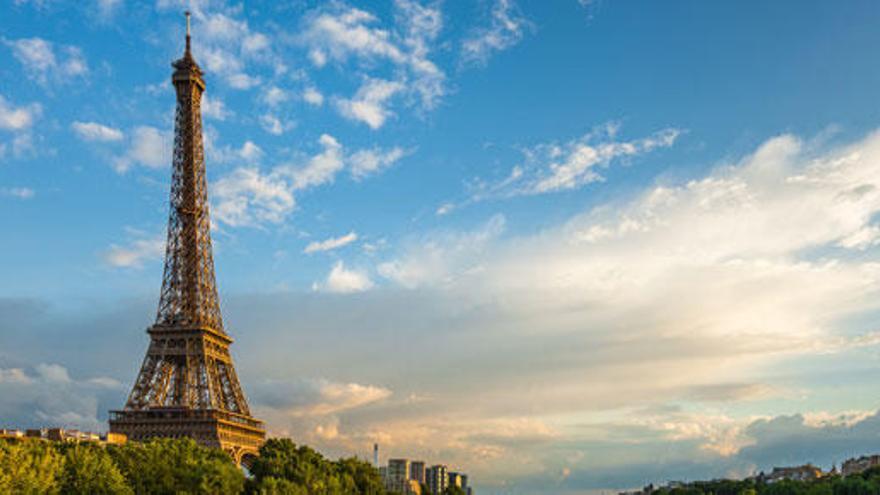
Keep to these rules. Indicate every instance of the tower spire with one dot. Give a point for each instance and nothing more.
(187, 32)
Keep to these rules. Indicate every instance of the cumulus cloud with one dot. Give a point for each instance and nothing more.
(251, 197)
(249, 152)
(274, 96)
(21, 118)
(320, 169)
(148, 147)
(274, 125)
(45, 63)
(505, 30)
(93, 131)
(369, 104)
(214, 108)
(313, 97)
(140, 249)
(330, 244)
(342, 280)
(46, 395)
(247, 197)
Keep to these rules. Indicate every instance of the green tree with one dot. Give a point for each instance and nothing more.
(453, 490)
(365, 479)
(89, 469)
(29, 467)
(171, 466)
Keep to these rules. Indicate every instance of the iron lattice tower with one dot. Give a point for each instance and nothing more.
(187, 386)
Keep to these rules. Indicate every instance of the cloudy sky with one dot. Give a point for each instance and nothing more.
(564, 246)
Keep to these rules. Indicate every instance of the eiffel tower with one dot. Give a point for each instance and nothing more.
(187, 386)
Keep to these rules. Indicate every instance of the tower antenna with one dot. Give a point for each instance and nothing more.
(187, 14)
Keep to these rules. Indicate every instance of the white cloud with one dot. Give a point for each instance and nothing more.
(274, 96)
(307, 398)
(444, 209)
(214, 108)
(342, 280)
(505, 30)
(330, 244)
(41, 63)
(108, 8)
(246, 197)
(136, 252)
(251, 197)
(17, 192)
(340, 33)
(275, 126)
(148, 147)
(439, 259)
(227, 46)
(369, 104)
(313, 97)
(249, 152)
(92, 131)
(18, 118)
(553, 167)
(13, 375)
(321, 168)
(47, 395)
(370, 161)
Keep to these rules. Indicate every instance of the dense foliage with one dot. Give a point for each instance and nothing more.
(166, 466)
(285, 469)
(865, 483)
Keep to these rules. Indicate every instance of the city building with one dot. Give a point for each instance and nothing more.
(417, 471)
(397, 478)
(62, 435)
(857, 465)
(807, 472)
(6, 433)
(455, 479)
(437, 479)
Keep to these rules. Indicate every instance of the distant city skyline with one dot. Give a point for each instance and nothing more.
(565, 246)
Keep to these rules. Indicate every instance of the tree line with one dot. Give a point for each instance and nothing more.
(864, 483)
(175, 466)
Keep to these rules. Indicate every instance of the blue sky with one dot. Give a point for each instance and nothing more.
(565, 246)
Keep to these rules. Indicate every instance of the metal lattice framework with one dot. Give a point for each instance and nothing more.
(187, 384)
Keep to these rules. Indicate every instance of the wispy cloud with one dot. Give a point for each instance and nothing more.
(17, 192)
(341, 33)
(506, 28)
(371, 161)
(330, 244)
(553, 167)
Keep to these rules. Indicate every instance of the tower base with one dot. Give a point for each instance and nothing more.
(239, 435)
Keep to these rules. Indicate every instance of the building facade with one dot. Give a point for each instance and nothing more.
(437, 479)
